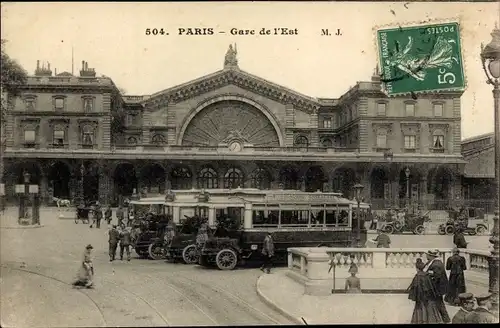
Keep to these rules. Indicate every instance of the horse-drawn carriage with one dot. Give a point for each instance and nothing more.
(414, 223)
(470, 219)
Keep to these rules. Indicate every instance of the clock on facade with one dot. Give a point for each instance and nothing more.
(235, 146)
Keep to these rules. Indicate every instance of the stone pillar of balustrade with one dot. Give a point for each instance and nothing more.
(317, 266)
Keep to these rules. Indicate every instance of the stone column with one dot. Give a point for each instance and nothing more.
(302, 182)
(44, 189)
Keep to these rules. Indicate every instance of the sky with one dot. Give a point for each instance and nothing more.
(112, 38)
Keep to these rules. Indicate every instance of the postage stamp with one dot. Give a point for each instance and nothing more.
(423, 58)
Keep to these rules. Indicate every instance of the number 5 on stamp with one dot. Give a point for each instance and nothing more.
(423, 58)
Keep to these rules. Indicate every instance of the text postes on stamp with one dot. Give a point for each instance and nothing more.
(423, 58)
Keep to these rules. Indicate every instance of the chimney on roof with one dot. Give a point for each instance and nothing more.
(42, 71)
(55, 71)
(376, 75)
(86, 71)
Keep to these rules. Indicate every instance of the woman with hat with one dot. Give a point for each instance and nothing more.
(86, 272)
(456, 284)
(423, 292)
(467, 305)
(437, 272)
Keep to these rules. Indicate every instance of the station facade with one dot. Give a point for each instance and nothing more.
(78, 135)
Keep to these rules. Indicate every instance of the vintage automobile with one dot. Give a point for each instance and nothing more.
(473, 222)
(151, 221)
(412, 223)
(182, 244)
(295, 218)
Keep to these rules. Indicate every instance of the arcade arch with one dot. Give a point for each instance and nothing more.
(343, 181)
(125, 180)
(181, 177)
(59, 176)
(314, 179)
(153, 178)
(288, 178)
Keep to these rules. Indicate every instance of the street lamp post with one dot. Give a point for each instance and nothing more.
(358, 188)
(389, 156)
(490, 58)
(407, 173)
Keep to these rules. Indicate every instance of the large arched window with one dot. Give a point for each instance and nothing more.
(233, 178)
(208, 179)
(181, 178)
(260, 179)
(381, 141)
(301, 141)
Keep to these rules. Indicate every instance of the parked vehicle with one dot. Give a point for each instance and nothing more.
(412, 223)
(182, 245)
(296, 219)
(472, 220)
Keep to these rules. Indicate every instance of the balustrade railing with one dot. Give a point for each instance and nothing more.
(379, 258)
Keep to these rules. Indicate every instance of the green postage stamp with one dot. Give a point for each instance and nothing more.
(423, 58)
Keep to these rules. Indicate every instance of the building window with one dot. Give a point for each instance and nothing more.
(58, 137)
(260, 179)
(233, 178)
(410, 142)
(208, 179)
(29, 137)
(327, 143)
(181, 178)
(327, 123)
(438, 141)
(88, 104)
(438, 110)
(30, 104)
(301, 141)
(88, 136)
(381, 139)
(410, 109)
(158, 139)
(130, 119)
(381, 109)
(59, 103)
(132, 141)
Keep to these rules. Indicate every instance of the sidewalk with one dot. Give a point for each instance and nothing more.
(287, 297)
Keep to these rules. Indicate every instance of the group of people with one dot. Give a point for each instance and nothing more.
(431, 287)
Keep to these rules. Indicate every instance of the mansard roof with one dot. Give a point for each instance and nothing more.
(233, 75)
(480, 164)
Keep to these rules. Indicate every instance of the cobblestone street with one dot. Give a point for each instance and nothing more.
(39, 264)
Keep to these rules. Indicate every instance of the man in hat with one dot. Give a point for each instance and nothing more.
(125, 242)
(482, 314)
(114, 237)
(267, 252)
(120, 215)
(466, 306)
(459, 238)
(456, 284)
(382, 239)
(435, 268)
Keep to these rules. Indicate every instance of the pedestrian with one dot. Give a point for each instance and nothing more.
(119, 215)
(85, 274)
(456, 283)
(382, 240)
(374, 223)
(108, 214)
(267, 252)
(482, 314)
(423, 292)
(125, 241)
(114, 237)
(353, 283)
(466, 307)
(98, 214)
(459, 238)
(202, 235)
(436, 269)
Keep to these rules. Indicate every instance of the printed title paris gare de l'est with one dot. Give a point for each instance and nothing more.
(236, 31)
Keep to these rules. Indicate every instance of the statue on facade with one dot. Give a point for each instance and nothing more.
(230, 60)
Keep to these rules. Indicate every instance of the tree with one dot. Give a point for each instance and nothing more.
(13, 76)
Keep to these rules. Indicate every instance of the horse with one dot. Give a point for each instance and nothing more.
(61, 202)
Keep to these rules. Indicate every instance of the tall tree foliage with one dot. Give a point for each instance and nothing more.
(13, 76)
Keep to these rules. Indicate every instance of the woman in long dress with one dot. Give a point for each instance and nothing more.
(85, 273)
(424, 294)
